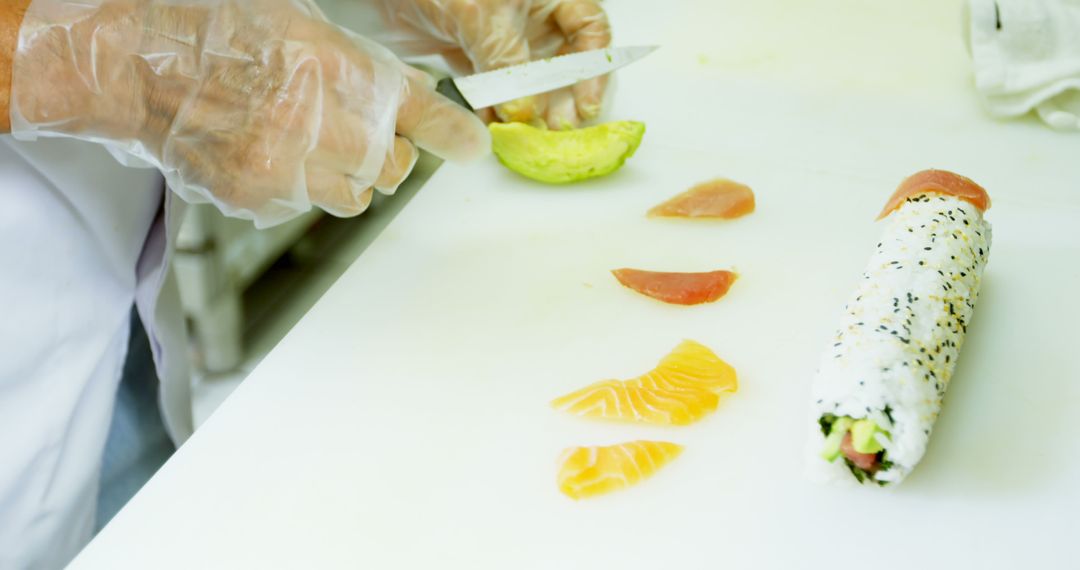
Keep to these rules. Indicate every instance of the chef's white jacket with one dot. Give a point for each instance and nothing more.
(82, 238)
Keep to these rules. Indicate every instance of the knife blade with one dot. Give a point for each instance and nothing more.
(509, 83)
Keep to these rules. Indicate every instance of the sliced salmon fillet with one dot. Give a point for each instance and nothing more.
(675, 287)
(865, 461)
(612, 399)
(941, 182)
(720, 198)
(683, 388)
(590, 471)
(691, 366)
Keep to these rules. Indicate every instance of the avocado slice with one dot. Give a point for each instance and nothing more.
(836, 435)
(559, 157)
(862, 436)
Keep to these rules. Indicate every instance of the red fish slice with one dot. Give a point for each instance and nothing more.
(939, 181)
(677, 288)
(865, 461)
(720, 198)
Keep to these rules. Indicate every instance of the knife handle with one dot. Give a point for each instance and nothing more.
(447, 88)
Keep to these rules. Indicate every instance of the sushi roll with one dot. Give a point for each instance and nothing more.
(880, 384)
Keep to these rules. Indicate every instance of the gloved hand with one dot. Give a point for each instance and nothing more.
(260, 106)
(497, 33)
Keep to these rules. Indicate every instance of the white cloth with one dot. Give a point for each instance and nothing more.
(1026, 55)
(81, 239)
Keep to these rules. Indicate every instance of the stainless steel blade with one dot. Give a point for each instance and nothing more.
(502, 85)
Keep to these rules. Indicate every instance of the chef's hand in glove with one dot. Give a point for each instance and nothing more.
(496, 33)
(260, 106)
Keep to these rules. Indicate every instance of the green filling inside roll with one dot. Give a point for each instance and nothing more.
(863, 441)
(835, 429)
(862, 436)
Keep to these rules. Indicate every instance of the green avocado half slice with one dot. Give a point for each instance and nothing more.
(560, 157)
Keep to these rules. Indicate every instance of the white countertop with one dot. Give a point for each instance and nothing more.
(404, 422)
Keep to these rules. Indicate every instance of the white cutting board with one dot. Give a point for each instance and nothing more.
(404, 423)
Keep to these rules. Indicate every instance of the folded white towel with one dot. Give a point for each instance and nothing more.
(1026, 55)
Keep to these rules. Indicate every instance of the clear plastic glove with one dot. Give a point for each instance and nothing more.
(490, 34)
(259, 106)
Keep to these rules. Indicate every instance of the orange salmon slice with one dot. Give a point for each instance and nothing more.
(590, 471)
(682, 389)
(938, 182)
(678, 288)
(721, 198)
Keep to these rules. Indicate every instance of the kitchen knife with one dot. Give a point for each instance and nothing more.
(509, 83)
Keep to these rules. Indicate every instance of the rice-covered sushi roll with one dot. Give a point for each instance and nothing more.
(880, 384)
